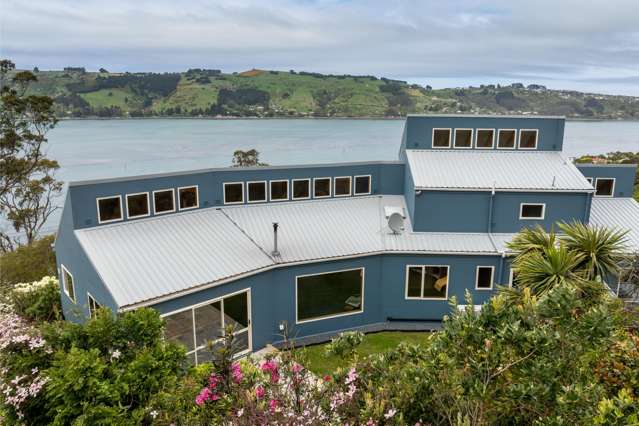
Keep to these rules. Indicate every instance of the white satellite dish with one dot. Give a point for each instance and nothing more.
(396, 222)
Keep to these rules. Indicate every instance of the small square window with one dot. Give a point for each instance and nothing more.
(605, 187)
(362, 185)
(137, 205)
(256, 191)
(67, 282)
(528, 139)
(279, 190)
(109, 209)
(233, 192)
(463, 138)
(441, 138)
(301, 189)
(343, 186)
(93, 306)
(506, 139)
(485, 139)
(532, 211)
(164, 201)
(188, 197)
(321, 187)
(484, 277)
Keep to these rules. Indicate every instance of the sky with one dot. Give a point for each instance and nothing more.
(586, 45)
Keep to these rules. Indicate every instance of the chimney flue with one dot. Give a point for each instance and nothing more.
(275, 251)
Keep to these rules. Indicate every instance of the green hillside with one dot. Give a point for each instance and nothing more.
(301, 94)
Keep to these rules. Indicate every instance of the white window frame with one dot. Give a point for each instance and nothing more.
(536, 139)
(308, 181)
(514, 139)
(248, 329)
(270, 192)
(492, 277)
(407, 297)
(450, 138)
(64, 283)
(614, 182)
(226, 203)
(472, 138)
(89, 298)
(543, 211)
(155, 212)
(511, 276)
(97, 204)
(248, 193)
(492, 143)
(330, 187)
(148, 205)
(370, 184)
(197, 197)
(350, 185)
(344, 314)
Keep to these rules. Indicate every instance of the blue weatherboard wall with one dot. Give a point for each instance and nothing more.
(387, 178)
(419, 129)
(624, 175)
(273, 294)
(468, 211)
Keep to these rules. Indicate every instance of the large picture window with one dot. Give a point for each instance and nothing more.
(427, 282)
(109, 209)
(202, 324)
(330, 294)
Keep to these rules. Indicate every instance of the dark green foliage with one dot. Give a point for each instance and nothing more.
(38, 300)
(509, 101)
(243, 97)
(28, 263)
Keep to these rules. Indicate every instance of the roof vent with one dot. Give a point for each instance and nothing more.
(275, 251)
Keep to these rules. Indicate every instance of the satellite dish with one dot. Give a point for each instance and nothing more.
(396, 222)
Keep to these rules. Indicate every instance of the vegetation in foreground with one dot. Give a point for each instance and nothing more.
(556, 349)
(260, 93)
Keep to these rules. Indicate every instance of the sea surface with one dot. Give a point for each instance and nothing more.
(95, 149)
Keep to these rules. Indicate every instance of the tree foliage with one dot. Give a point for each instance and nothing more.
(27, 177)
(250, 158)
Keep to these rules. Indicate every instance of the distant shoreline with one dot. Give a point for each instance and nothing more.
(301, 118)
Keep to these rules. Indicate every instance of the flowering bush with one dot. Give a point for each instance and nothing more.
(37, 300)
(344, 344)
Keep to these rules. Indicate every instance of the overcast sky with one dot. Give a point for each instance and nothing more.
(589, 45)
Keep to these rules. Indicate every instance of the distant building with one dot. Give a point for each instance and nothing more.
(318, 249)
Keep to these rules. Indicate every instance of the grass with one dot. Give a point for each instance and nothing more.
(373, 343)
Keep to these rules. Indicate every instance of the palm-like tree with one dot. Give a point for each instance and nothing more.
(581, 257)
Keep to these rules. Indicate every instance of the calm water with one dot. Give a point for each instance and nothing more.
(91, 149)
(88, 149)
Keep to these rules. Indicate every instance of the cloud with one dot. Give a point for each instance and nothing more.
(574, 43)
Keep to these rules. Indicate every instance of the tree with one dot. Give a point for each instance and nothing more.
(27, 182)
(250, 158)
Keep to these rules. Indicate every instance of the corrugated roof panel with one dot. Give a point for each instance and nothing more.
(618, 213)
(145, 259)
(314, 229)
(449, 169)
(439, 242)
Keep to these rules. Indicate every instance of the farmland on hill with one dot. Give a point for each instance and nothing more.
(259, 93)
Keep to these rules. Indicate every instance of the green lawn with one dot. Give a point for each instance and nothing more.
(373, 343)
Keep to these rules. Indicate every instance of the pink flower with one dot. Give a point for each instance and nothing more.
(270, 366)
(236, 372)
(214, 380)
(327, 378)
(272, 405)
(297, 368)
(204, 395)
(259, 391)
(352, 376)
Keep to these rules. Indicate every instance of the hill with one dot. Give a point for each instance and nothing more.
(260, 93)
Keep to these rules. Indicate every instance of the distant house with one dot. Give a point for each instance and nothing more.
(317, 249)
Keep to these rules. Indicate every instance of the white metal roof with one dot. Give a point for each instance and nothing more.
(618, 213)
(147, 260)
(505, 170)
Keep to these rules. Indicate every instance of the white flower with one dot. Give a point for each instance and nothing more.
(390, 413)
(154, 413)
(240, 412)
(115, 354)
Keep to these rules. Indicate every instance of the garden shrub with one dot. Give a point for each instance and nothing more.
(38, 300)
(28, 263)
(345, 344)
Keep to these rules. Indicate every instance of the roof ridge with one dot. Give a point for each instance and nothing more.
(248, 237)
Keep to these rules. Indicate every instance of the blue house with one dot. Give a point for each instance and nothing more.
(319, 249)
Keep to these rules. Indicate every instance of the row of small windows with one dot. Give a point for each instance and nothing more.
(138, 205)
(301, 189)
(604, 187)
(485, 138)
